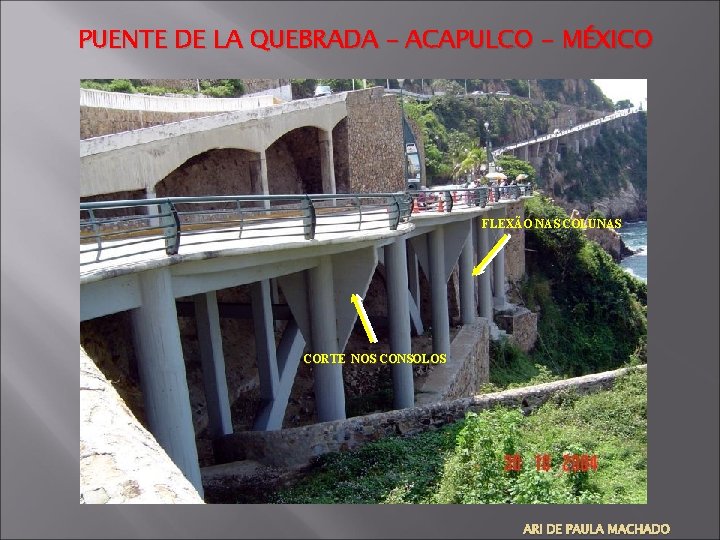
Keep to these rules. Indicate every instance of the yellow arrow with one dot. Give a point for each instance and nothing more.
(480, 268)
(355, 299)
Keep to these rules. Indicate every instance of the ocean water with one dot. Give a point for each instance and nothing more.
(635, 237)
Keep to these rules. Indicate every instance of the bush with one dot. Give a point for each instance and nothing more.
(121, 85)
(465, 462)
(592, 312)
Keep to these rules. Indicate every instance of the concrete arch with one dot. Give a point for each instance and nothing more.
(139, 159)
(218, 171)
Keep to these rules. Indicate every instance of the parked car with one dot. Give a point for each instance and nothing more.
(477, 93)
(502, 93)
(322, 90)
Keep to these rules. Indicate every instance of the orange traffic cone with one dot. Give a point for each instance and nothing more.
(416, 206)
(441, 204)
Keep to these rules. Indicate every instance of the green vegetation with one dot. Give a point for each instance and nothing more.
(616, 159)
(208, 87)
(593, 315)
(465, 462)
(453, 129)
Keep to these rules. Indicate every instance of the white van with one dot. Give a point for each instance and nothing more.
(322, 90)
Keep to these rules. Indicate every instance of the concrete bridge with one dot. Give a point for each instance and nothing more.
(316, 276)
(153, 254)
(574, 138)
(348, 142)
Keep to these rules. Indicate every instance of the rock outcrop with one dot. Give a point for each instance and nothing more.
(120, 461)
(611, 241)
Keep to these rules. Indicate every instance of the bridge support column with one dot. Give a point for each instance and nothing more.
(329, 389)
(399, 320)
(327, 166)
(162, 373)
(440, 316)
(524, 153)
(212, 361)
(259, 178)
(468, 308)
(265, 350)
(499, 267)
(485, 293)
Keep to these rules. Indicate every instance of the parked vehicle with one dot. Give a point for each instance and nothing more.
(502, 93)
(322, 90)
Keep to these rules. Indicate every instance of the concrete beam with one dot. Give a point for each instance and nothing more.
(162, 373)
(192, 284)
(212, 360)
(107, 296)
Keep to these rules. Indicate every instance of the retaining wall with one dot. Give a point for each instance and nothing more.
(297, 447)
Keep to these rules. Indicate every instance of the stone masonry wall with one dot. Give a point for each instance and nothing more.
(97, 121)
(466, 369)
(515, 248)
(297, 447)
(521, 324)
(375, 146)
(215, 172)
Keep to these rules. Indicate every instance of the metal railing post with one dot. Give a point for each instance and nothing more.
(170, 222)
(309, 218)
(96, 230)
(394, 220)
(448, 201)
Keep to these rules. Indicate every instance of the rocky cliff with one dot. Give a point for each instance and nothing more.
(120, 461)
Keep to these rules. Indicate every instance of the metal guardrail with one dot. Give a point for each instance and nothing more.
(565, 132)
(446, 199)
(150, 225)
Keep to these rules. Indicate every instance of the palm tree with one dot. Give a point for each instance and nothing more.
(471, 164)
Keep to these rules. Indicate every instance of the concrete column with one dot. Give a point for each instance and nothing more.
(265, 349)
(399, 321)
(499, 267)
(485, 293)
(440, 317)
(213, 364)
(468, 308)
(259, 178)
(524, 153)
(327, 166)
(152, 209)
(329, 389)
(162, 373)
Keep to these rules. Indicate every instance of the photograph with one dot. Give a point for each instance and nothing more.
(317, 300)
(363, 291)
